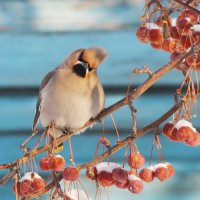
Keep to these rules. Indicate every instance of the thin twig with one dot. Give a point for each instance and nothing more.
(185, 5)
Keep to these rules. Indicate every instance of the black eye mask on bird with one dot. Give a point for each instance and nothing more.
(81, 68)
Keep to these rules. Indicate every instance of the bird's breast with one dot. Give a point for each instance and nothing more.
(70, 105)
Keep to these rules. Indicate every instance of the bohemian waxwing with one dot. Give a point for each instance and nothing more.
(71, 94)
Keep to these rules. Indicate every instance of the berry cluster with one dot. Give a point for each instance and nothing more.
(29, 184)
(182, 131)
(109, 174)
(52, 163)
(161, 171)
(173, 35)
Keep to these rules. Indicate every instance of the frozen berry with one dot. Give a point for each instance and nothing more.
(120, 185)
(16, 189)
(71, 173)
(135, 184)
(185, 134)
(171, 170)
(44, 163)
(136, 160)
(56, 163)
(147, 174)
(169, 45)
(170, 131)
(183, 24)
(192, 16)
(186, 41)
(31, 183)
(195, 141)
(141, 34)
(120, 175)
(91, 173)
(155, 36)
(26, 187)
(174, 32)
(105, 178)
(161, 171)
(38, 184)
(156, 46)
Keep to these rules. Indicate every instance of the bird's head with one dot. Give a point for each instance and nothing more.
(86, 61)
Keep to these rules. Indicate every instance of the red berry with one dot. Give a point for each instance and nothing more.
(38, 184)
(26, 187)
(135, 186)
(44, 163)
(136, 160)
(120, 185)
(171, 170)
(16, 189)
(169, 45)
(105, 178)
(195, 141)
(183, 24)
(56, 163)
(191, 15)
(71, 173)
(170, 131)
(120, 175)
(31, 183)
(147, 174)
(156, 46)
(91, 173)
(161, 172)
(141, 34)
(185, 134)
(174, 32)
(186, 41)
(174, 55)
(155, 36)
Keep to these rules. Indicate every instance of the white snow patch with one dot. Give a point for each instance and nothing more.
(152, 168)
(160, 165)
(184, 123)
(196, 28)
(132, 177)
(173, 21)
(58, 156)
(106, 166)
(152, 26)
(28, 176)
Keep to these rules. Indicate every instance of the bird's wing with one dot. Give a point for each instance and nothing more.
(42, 85)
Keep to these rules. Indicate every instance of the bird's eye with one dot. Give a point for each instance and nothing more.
(80, 70)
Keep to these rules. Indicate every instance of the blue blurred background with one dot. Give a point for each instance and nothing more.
(36, 35)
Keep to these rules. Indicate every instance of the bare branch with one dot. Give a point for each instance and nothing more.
(186, 5)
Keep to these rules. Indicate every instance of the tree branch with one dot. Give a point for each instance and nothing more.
(185, 5)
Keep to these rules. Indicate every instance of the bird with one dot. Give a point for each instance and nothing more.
(71, 94)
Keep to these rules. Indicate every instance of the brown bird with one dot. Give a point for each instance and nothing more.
(71, 94)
